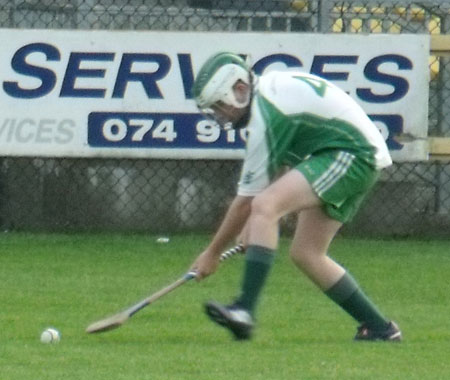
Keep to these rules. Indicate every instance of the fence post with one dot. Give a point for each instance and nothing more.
(324, 17)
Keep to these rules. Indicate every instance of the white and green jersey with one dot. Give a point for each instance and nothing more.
(296, 115)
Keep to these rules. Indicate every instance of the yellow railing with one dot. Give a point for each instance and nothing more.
(439, 147)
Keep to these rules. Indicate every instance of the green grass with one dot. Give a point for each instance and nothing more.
(69, 281)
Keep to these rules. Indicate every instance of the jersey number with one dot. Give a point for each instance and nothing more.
(317, 85)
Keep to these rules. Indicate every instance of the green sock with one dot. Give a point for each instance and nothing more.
(258, 261)
(348, 295)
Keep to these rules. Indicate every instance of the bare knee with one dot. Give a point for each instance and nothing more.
(305, 259)
(299, 258)
(263, 206)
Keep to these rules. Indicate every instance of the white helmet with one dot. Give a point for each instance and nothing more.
(216, 79)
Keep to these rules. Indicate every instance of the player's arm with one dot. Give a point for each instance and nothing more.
(233, 223)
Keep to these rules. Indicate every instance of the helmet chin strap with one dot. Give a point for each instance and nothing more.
(245, 118)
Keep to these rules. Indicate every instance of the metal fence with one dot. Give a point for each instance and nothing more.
(178, 195)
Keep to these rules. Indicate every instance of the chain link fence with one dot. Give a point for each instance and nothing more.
(62, 194)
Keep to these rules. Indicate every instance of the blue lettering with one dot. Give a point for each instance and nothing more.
(21, 66)
(394, 125)
(288, 60)
(187, 75)
(320, 61)
(371, 72)
(148, 80)
(73, 72)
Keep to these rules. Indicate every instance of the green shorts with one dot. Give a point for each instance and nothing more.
(341, 180)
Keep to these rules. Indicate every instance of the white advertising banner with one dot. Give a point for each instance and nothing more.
(71, 93)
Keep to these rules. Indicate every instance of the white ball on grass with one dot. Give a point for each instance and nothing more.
(50, 335)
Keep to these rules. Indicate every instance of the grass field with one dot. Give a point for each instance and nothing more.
(69, 281)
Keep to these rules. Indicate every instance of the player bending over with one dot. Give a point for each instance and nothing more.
(334, 154)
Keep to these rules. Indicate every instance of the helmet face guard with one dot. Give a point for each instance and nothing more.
(217, 117)
(214, 86)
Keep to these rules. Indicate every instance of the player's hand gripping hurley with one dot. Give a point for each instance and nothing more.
(119, 319)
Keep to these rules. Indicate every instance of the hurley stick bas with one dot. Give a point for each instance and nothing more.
(117, 320)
